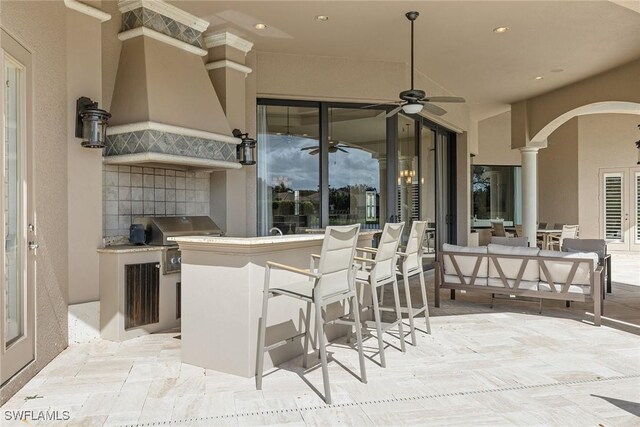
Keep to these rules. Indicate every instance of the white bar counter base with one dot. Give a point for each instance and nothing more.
(222, 284)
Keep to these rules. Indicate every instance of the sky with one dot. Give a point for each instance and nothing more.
(300, 170)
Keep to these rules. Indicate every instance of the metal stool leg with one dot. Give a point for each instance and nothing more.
(407, 291)
(307, 336)
(376, 315)
(261, 336)
(423, 288)
(356, 315)
(396, 297)
(323, 353)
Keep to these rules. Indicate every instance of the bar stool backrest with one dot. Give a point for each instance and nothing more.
(413, 259)
(336, 259)
(385, 266)
(498, 229)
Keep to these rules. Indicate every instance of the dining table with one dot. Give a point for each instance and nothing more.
(546, 235)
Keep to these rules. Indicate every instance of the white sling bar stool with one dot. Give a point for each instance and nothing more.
(332, 281)
(378, 271)
(410, 266)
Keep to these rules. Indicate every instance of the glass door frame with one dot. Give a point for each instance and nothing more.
(391, 159)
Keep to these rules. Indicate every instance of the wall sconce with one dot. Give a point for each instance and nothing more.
(91, 123)
(246, 150)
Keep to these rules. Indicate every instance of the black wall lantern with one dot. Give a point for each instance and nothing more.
(91, 123)
(246, 150)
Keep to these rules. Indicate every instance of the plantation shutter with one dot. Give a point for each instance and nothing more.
(637, 197)
(613, 207)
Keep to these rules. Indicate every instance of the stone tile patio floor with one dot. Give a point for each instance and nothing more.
(481, 366)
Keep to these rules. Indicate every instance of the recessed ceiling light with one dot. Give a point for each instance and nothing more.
(539, 77)
(260, 26)
(500, 30)
(322, 18)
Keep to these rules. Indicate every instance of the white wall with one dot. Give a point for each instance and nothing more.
(494, 142)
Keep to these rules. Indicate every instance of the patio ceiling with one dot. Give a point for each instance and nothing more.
(455, 43)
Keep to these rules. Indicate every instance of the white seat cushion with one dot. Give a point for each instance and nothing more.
(511, 266)
(466, 260)
(574, 289)
(559, 270)
(453, 278)
(301, 289)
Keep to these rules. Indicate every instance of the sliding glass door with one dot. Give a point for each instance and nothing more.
(323, 164)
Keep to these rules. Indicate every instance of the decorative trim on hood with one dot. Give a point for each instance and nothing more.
(165, 9)
(161, 127)
(144, 31)
(145, 158)
(177, 145)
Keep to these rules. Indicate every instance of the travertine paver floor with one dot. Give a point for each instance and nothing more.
(506, 366)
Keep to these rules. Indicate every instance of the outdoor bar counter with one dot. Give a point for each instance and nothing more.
(221, 299)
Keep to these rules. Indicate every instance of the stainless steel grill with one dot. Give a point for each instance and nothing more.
(160, 228)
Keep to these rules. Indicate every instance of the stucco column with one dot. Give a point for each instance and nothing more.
(529, 156)
(228, 72)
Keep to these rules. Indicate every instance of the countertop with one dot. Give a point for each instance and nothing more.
(258, 241)
(123, 249)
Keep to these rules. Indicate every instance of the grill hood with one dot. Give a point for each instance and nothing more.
(164, 106)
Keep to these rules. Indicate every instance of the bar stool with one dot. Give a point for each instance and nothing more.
(332, 281)
(377, 272)
(410, 266)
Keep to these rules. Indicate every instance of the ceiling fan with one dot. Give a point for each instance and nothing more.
(413, 101)
(334, 146)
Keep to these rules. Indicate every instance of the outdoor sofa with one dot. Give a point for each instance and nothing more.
(521, 271)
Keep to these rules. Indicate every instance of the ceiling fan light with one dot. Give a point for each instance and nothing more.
(412, 108)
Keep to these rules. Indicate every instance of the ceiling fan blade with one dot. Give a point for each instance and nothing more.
(308, 148)
(378, 105)
(444, 99)
(434, 109)
(341, 149)
(314, 152)
(394, 111)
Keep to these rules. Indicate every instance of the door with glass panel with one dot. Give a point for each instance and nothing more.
(357, 162)
(408, 191)
(620, 208)
(18, 228)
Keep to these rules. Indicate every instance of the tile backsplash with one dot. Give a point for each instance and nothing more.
(131, 191)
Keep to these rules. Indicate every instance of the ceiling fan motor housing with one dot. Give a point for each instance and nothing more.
(412, 95)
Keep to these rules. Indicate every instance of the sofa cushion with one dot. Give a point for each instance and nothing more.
(511, 266)
(453, 278)
(559, 270)
(466, 261)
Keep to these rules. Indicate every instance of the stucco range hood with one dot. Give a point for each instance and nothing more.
(165, 108)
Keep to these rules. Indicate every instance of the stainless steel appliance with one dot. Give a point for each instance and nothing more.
(160, 228)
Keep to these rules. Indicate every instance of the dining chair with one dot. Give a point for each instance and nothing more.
(332, 281)
(497, 229)
(568, 232)
(558, 226)
(510, 241)
(519, 230)
(542, 226)
(375, 273)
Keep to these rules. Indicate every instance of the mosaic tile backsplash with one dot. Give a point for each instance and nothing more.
(130, 191)
(142, 17)
(168, 143)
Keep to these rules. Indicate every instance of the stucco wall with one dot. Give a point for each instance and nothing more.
(84, 180)
(494, 142)
(606, 141)
(41, 27)
(558, 176)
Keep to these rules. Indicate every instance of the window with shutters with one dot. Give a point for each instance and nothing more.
(613, 207)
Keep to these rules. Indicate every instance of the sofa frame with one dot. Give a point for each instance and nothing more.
(594, 296)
